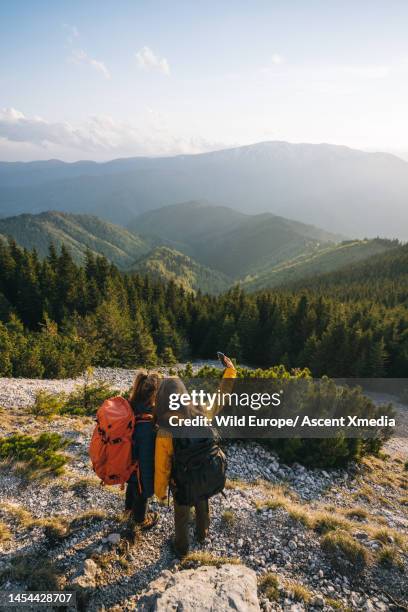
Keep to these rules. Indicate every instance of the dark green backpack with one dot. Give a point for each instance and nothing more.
(199, 468)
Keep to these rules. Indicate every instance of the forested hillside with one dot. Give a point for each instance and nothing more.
(77, 232)
(58, 317)
(229, 241)
(317, 262)
(381, 278)
(164, 264)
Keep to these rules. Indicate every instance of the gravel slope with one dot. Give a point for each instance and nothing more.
(269, 538)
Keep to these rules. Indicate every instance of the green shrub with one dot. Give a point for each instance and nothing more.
(48, 404)
(39, 454)
(83, 401)
(86, 398)
(304, 396)
(338, 450)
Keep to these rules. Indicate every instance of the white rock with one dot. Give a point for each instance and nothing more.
(205, 589)
(90, 567)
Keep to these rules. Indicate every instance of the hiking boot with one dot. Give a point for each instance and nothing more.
(150, 521)
(178, 553)
(201, 537)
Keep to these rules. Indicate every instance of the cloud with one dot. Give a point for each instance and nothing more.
(101, 136)
(148, 60)
(79, 56)
(276, 59)
(16, 127)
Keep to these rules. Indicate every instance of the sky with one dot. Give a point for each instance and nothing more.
(91, 79)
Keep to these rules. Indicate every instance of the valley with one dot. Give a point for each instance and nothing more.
(199, 246)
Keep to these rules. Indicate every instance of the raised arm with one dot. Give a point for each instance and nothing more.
(227, 384)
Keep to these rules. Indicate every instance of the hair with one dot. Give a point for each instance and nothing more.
(162, 411)
(144, 388)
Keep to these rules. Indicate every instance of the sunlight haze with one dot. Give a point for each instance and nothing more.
(103, 80)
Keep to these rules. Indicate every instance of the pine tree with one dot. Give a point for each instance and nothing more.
(6, 351)
(233, 347)
(168, 357)
(144, 347)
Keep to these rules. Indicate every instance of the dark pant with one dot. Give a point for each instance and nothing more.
(135, 501)
(182, 515)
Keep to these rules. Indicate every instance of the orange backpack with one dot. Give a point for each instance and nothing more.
(110, 449)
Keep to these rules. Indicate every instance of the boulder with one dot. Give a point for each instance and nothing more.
(205, 589)
(86, 575)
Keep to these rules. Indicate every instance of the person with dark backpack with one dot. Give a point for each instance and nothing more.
(193, 467)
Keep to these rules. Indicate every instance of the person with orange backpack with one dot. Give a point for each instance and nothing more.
(122, 447)
(140, 485)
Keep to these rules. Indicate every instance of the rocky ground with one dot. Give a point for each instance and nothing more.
(316, 539)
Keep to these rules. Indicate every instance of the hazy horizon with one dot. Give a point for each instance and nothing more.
(401, 155)
(164, 80)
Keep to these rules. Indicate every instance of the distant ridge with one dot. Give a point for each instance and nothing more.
(343, 190)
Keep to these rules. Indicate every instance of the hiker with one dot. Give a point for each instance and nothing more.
(140, 485)
(166, 454)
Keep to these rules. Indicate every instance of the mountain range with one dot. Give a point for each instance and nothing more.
(340, 189)
(199, 246)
